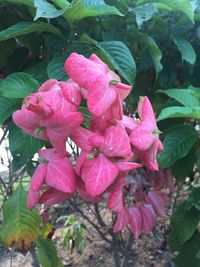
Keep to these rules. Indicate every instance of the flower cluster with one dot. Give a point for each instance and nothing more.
(113, 149)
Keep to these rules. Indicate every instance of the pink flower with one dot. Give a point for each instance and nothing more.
(135, 221)
(148, 217)
(51, 113)
(53, 196)
(146, 133)
(163, 178)
(145, 136)
(98, 174)
(55, 171)
(122, 221)
(148, 157)
(100, 167)
(157, 200)
(100, 86)
(114, 142)
(80, 187)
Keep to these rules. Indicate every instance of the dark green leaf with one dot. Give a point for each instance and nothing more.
(189, 253)
(22, 145)
(29, 3)
(55, 68)
(198, 161)
(144, 13)
(184, 166)
(7, 107)
(79, 10)
(155, 52)
(187, 51)
(6, 49)
(184, 6)
(121, 58)
(194, 198)
(184, 224)
(18, 85)
(177, 112)
(25, 27)
(38, 71)
(177, 144)
(184, 96)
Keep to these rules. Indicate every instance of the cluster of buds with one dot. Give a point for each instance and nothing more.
(113, 147)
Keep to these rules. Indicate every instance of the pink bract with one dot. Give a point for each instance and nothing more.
(55, 171)
(94, 76)
(111, 145)
(51, 113)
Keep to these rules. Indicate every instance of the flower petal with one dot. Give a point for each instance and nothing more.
(115, 201)
(122, 221)
(28, 122)
(148, 217)
(100, 96)
(60, 175)
(32, 198)
(83, 70)
(52, 196)
(71, 91)
(81, 137)
(98, 173)
(116, 142)
(156, 199)
(135, 221)
(146, 112)
(126, 166)
(38, 177)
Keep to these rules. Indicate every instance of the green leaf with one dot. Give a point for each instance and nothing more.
(189, 253)
(195, 91)
(46, 10)
(184, 166)
(177, 144)
(184, 96)
(47, 254)
(7, 107)
(80, 9)
(22, 145)
(18, 85)
(155, 52)
(22, 28)
(198, 161)
(54, 45)
(121, 59)
(184, 224)
(38, 71)
(55, 68)
(20, 225)
(6, 49)
(61, 3)
(144, 13)
(176, 112)
(184, 6)
(28, 3)
(194, 198)
(187, 51)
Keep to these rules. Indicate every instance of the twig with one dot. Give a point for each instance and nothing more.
(128, 247)
(93, 224)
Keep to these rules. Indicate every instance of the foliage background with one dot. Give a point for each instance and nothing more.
(153, 45)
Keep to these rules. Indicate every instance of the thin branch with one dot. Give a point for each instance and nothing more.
(93, 224)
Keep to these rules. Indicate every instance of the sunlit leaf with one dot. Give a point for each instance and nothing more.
(20, 226)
